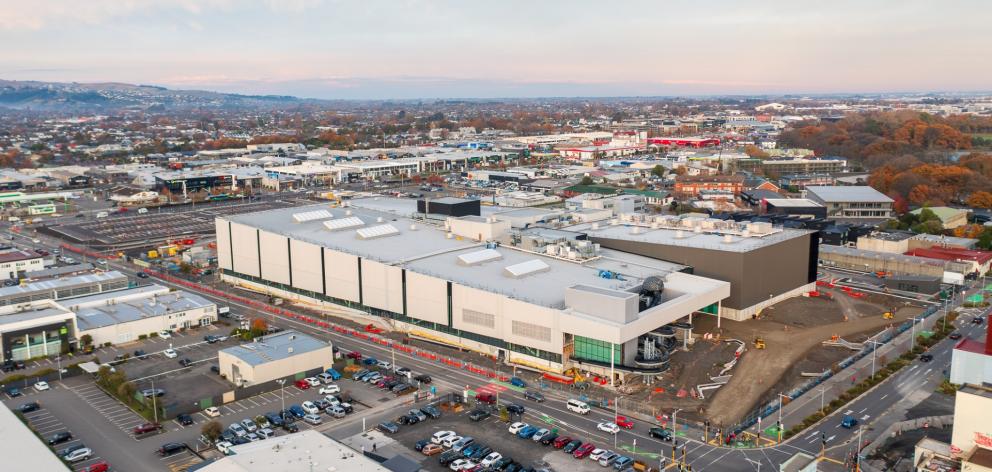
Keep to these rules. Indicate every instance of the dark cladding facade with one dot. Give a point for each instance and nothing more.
(755, 276)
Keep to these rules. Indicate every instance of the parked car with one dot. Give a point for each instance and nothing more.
(249, 425)
(210, 339)
(354, 355)
(13, 392)
(527, 432)
(186, 362)
(212, 411)
(607, 459)
(419, 414)
(583, 451)
(312, 419)
(534, 395)
(238, 430)
(440, 436)
(165, 334)
(184, 419)
(77, 455)
(431, 449)
(140, 354)
(540, 434)
(388, 427)
(478, 415)
(561, 441)
(549, 438)
(101, 466)
(225, 447)
(146, 428)
(152, 392)
(370, 361)
(297, 411)
(29, 407)
(622, 462)
(302, 384)
(59, 438)
(41, 386)
(572, 446)
(310, 408)
(170, 353)
(313, 381)
(274, 418)
(266, 433)
(431, 411)
(171, 448)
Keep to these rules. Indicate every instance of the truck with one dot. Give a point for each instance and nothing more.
(224, 311)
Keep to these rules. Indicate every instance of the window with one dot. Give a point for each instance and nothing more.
(596, 350)
(532, 331)
(478, 318)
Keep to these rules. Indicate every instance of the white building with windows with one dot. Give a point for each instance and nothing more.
(15, 263)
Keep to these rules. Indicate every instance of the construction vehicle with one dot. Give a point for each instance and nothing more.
(575, 375)
(759, 343)
(887, 315)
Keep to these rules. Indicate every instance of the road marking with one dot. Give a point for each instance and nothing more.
(865, 418)
(848, 412)
(831, 438)
(928, 371)
(883, 396)
(863, 410)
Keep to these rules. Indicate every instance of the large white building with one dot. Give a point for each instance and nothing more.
(538, 298)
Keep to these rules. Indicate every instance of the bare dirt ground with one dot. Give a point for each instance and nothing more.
(793, 331)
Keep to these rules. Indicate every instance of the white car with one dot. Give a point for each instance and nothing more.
(266, 433)
(596, 453)
(170, 353)
(440, 436)
(238, 430)
(611, 428)
(78, 455)
(164, 334)
(41, 386)
(313, 381)
(212, 412)
(451, 440)
(516, 427)
(461, 464)
(326, 389)
(384, 365)
(332, 400)
(492, 457)
(310, 408)
(224, 447)
(540, 434)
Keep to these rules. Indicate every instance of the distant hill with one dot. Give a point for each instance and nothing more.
(58, 96)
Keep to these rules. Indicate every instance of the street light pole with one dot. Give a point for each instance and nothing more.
(912, 339)
(154, 403)
(282, 397)
(675, 421)
(875, 345)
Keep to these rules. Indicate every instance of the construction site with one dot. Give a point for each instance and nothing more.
(728, 371)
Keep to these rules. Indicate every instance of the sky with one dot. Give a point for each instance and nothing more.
(378, 49)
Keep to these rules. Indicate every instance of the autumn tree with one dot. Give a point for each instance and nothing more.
(980, 199)
(755, 152)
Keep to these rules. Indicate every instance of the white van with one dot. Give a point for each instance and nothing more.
(102, 214)
(142, 211)
(577, 406)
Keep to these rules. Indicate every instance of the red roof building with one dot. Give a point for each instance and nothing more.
(684, 142)
(979, 259)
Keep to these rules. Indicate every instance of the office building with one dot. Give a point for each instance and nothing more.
(852, 202)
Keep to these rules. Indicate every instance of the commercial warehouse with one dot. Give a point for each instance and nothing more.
(274, 356)
(762, 263)
(539, 298)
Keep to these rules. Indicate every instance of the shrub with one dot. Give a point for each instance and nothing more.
(142, 337)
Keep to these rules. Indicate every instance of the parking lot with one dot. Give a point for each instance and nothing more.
(493, 432)
(156, 226)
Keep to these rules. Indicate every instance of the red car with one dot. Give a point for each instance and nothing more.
(97, 467)
(146, 428)
(624, 423)
(302, 384)
(583, 451)
(354, 355)
(561, 441)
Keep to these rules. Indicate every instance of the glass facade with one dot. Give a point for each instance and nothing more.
(596, 350)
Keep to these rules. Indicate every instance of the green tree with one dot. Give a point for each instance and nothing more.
(212, 430)
(86, 340)
(658, 171)
(586, 181)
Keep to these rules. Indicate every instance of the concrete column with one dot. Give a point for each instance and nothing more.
(719, 308)
(613, 355)
(44, 342)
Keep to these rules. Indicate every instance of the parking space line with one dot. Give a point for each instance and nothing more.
(229, 409)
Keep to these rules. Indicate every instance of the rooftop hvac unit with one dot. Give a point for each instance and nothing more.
(679, 234)
(761, 227)
(449, 235)
(289, 350)
(347, 212)
(654, 225)
(551, 249)
(595, 226)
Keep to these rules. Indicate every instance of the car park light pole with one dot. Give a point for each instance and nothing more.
(912, 339)
(154, 403)
(282, 396)
(675, 422)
